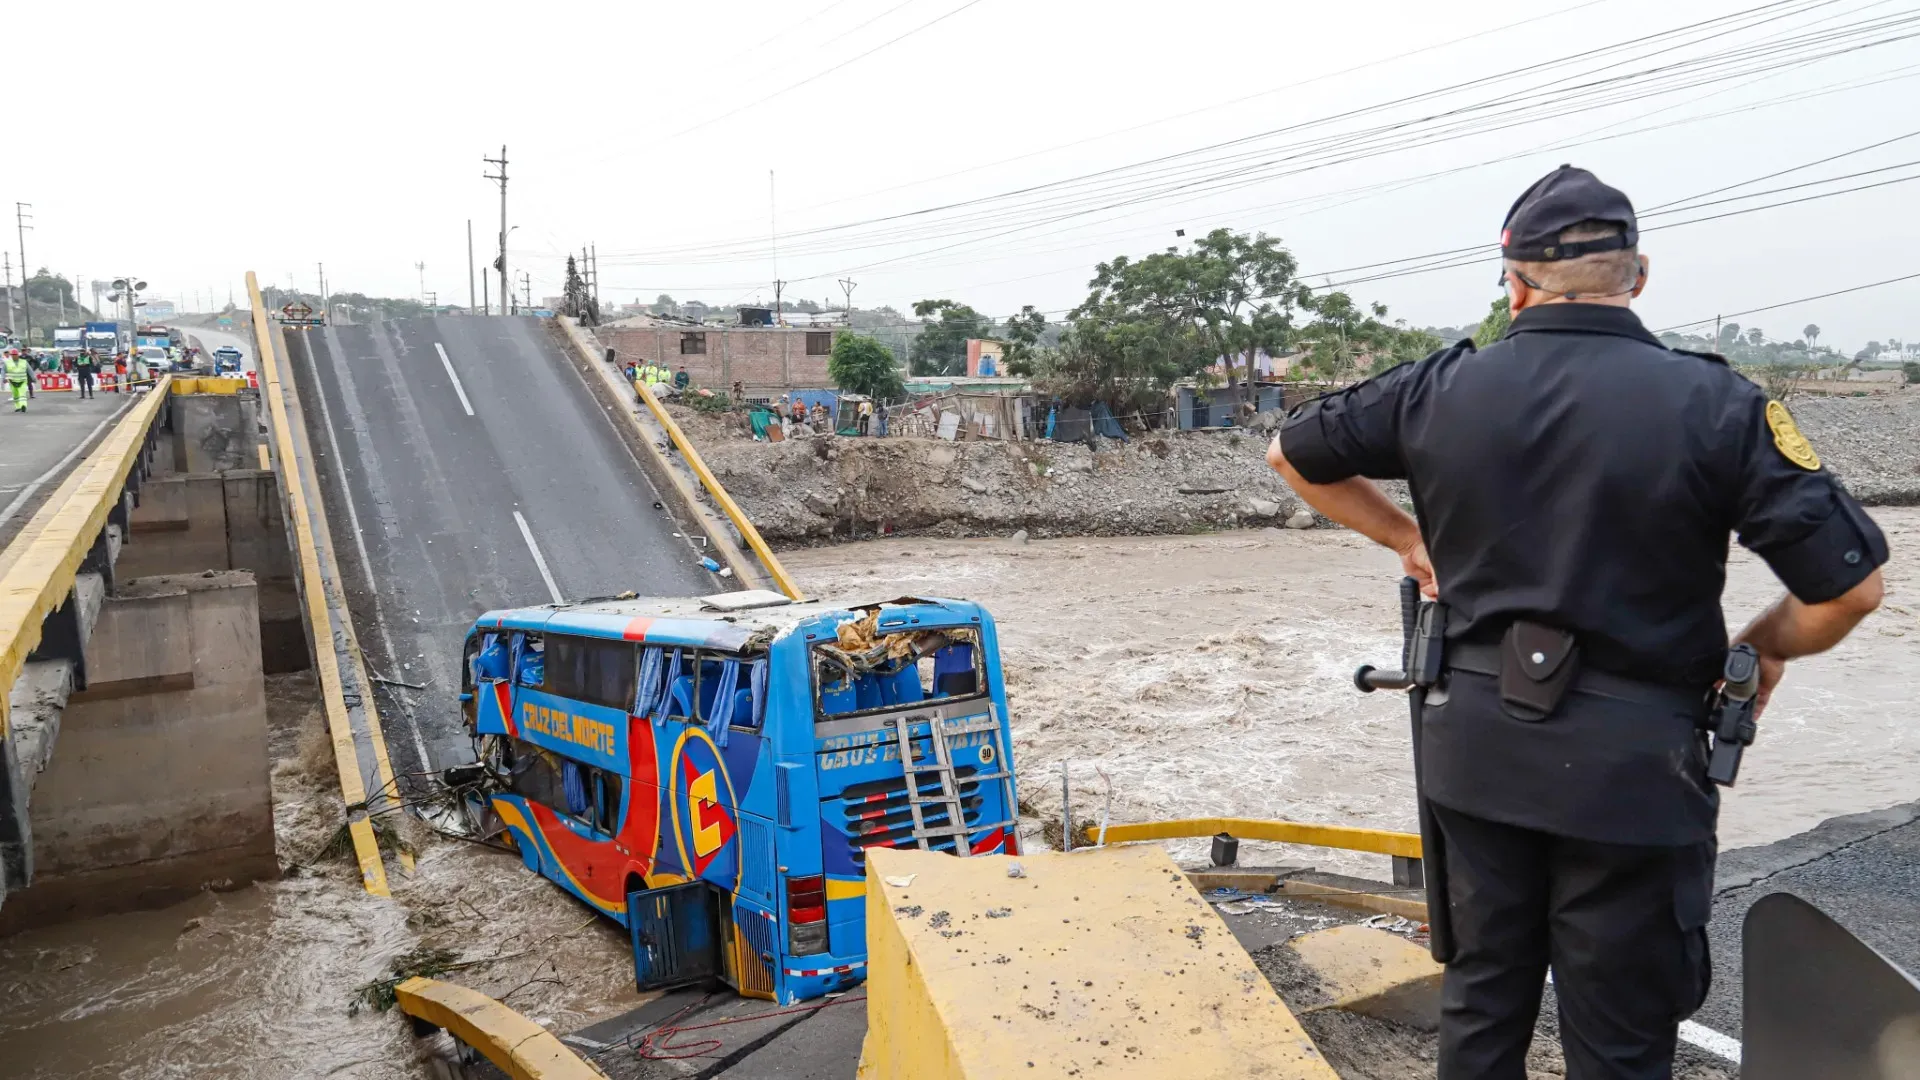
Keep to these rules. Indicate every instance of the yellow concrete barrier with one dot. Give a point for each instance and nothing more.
(208, 384)
(519, 1047)
(1374, 973)
(59, 536)
(1377, 841)
(313, 595)
(1103, 963)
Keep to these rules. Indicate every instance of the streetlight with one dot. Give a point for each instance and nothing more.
(128, 288)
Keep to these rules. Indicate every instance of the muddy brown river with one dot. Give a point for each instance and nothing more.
(1202, 675)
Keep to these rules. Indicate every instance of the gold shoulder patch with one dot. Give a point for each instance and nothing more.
(1787, 438)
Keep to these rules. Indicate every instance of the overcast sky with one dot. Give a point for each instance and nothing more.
(227, 137)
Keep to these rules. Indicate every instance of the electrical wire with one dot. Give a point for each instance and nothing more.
(1788, 303)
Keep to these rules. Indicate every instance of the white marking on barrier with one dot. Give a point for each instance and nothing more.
(467, 405)
(539, 560)
(1711, 1041)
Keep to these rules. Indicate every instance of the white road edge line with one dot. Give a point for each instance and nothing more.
(1711, 1041)
(539, 560)
(60, 466)
(467, 405)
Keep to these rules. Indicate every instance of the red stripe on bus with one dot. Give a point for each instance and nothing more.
(637, 629)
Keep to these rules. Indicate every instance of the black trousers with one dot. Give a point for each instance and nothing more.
(86, 382)
(1622, 927)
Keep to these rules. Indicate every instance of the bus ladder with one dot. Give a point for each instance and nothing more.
(947, 798)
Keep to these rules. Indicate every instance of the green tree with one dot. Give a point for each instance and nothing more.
(1227, 298)
(1912, 372)
(664, 305)
(1729, 337)
(1812, 333)
(1345, 339)
(1755, 337)
(941, 347)
(48, 288)
(1494, 326)
(865, 366)
(1023, 337)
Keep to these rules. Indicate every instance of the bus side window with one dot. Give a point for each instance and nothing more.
(490, 663)
(576, 787)
(607, 805)
(953, 674)
(531, 660)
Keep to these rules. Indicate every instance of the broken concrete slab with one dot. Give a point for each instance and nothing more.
(1374, 973)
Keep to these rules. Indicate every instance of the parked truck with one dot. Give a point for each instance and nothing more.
(102, 338)
(69, 340)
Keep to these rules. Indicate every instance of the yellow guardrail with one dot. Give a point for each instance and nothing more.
(521, 1048)
(313, 594)
(59, 537)
(1347, 837)
(712, 483)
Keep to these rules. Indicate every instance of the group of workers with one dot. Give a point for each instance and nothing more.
(654, 374)
(19, 366)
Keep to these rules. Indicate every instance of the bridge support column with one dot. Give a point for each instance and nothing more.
(161, 781)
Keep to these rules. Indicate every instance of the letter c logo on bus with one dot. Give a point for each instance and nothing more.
(705, 810)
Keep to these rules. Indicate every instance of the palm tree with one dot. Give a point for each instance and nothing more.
(1811, 333)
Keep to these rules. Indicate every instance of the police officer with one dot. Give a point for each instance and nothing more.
(84, 367)
(1575, 484)
(19, 380)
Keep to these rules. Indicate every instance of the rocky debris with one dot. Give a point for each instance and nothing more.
(829, 488)
(1868, 442)
(797, 493)
(1019, 537)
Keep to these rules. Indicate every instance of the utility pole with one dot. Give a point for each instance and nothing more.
(500, 264)
(422, 267)
(526, 289)
(773, 236)
(20, 218)
(593, 259)
(470, 293)
(485, 300)
(326, 305)
(6, 264)
(847, 286)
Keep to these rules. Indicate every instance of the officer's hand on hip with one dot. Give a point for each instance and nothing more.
(1418, 567)
(1771, 670)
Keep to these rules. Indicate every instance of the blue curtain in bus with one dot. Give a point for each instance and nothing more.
(573, 780)
(757, 680)
(720, 717)
(491, 662)
(664, 704)
(648, 693)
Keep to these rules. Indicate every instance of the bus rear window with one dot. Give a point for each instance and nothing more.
(863, 671)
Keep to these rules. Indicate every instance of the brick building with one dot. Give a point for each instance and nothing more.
(766, 359)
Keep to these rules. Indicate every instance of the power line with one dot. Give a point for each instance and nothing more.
(1788, 303)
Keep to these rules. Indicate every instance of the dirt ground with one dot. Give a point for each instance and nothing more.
(1210, 675)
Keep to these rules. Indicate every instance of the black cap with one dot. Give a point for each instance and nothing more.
(1559, 200)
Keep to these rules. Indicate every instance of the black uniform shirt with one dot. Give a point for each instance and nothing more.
(1579, 473)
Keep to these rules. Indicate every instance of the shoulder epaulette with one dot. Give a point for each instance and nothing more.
(1715, 357)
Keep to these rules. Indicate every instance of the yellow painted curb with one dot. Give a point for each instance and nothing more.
(313, 593)
(521, 1048)
(61, 534)
(1374, 973)
(1377, 841)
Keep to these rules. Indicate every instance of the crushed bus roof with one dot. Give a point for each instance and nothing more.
(731, 621)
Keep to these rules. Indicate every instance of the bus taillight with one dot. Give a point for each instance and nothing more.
(806, 915)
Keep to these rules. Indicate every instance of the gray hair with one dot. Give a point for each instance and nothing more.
(1605, 273)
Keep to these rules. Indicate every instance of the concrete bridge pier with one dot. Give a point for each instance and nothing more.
(139, 764)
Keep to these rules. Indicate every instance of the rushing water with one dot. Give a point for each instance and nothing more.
(1203, 675)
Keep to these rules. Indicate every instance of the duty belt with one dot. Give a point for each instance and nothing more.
(1484, 659)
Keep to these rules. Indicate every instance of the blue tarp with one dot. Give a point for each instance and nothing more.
(1105, 424)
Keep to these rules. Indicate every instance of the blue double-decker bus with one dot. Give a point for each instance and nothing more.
(711, 772)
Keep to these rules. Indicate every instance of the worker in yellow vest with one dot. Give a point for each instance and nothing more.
(19, 373)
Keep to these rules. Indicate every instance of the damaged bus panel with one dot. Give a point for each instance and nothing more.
(711, 773)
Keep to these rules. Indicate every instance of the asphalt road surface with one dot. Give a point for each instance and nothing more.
(465, 466)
